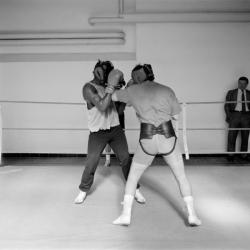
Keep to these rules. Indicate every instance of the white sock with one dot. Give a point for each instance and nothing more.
(80, 197)
(139, 197)
(125, 218)
(193, 220)
(107, 162)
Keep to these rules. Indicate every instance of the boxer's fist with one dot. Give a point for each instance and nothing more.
(115, 77)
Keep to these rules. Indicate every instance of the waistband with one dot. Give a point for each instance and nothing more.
(106, 130)
(149, 130)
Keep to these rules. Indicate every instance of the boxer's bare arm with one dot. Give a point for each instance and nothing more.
(91, 96)
(114, 97)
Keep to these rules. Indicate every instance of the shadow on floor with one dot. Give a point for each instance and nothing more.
(79, 160)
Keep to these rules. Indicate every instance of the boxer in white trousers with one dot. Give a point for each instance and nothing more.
(155, 105)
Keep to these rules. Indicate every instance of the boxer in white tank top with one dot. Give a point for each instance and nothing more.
(155, 105)
(103, 123)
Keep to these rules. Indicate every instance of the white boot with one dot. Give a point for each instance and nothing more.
(125, 218)
(80, 197)
(139, 197)
(193, 220)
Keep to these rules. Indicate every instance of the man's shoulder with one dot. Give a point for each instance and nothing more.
(88, 86)
(131, 89)
(163, 87)
(232, 91)
(88, 90)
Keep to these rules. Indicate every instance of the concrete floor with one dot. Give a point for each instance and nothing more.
(37, 210)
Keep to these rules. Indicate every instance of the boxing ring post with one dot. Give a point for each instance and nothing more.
(184, 129)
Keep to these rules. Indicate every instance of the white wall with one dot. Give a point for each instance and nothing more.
(51, 14)
(54, 73)
(200, 61)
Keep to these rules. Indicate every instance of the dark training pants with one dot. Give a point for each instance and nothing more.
(115, 137)
(238, 120)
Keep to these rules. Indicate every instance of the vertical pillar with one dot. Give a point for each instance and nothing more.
(184, 131)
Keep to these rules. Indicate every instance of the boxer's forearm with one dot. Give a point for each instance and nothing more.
(114, 97)
(103, 104)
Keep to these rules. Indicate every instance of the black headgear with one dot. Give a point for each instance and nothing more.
(106, 66)
(149, 72)
(147, 69)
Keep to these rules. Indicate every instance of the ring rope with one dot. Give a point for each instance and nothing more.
(40, 102)
(185, 129)
(83, 103)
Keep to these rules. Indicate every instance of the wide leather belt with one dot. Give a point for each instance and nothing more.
(149, 130)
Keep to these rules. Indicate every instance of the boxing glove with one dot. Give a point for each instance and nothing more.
(115, 77)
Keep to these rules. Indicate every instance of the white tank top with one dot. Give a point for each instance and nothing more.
(98, 120)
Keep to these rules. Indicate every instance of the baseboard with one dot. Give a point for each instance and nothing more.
(42, 155)
(84, 155)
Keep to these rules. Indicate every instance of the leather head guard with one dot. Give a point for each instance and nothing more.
(106, 67)
(149, 72)
(147, 68)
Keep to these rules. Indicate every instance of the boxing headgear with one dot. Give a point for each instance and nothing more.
(147, 68)
(106, 67)
(149, 72)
